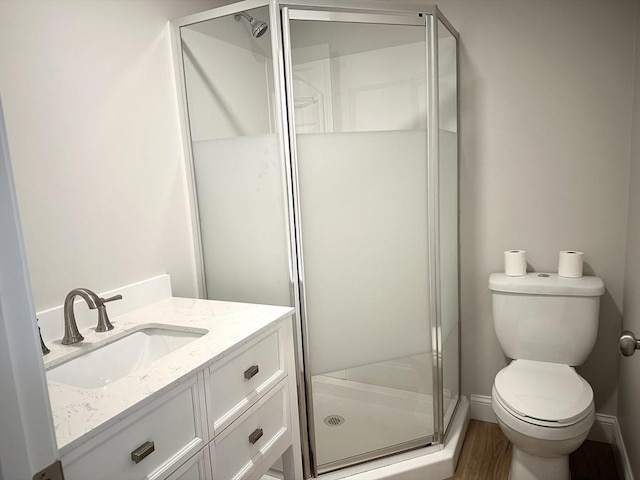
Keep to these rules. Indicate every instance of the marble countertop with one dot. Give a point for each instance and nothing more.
(80, 414)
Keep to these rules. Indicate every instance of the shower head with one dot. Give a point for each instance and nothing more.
(258, 27)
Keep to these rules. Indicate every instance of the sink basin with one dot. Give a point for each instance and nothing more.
(121, 355)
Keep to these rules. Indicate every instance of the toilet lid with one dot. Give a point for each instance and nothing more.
(544, 391)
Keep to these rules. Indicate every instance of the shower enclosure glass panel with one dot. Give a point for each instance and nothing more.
(360, 123)
(448, 217)
(237, 159)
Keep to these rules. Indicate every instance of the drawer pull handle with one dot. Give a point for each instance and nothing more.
(251, 372)
(142, 451)
(255, 436)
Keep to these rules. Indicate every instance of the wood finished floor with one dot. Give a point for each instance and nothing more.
(486, 455)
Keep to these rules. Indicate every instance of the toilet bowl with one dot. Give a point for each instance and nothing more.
(546, 410)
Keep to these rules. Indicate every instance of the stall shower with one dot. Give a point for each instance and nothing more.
(323, 150)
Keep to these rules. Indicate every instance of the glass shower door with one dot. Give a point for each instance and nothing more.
(357, 95)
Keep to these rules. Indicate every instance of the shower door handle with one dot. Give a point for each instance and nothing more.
(628, 343)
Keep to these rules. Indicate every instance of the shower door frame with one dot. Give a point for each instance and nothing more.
(372, 13)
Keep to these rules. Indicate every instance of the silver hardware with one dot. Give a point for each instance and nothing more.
(44, 348)
(255, 436)
(104, 325)
(251, 372)
(142, 451)
(628, 343)
(52, 472)
(543, 275)
(334, 420)
(71, 332)
(258, 27)
(295, 240)
(358, 17)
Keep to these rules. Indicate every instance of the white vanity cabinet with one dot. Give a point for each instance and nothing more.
(231, 419)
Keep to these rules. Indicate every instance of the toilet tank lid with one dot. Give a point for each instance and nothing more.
(535, 283)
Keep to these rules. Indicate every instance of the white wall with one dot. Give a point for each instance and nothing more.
(630, 367)
(545, 109)
(91, 112)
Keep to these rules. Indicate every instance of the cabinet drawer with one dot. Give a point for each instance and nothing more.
(258, 436)
(235, 385)
(172, 423)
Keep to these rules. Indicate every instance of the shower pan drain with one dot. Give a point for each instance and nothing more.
(334, 420)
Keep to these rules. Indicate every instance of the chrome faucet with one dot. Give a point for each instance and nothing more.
(71, 333)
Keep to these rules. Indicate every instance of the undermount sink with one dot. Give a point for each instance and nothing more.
(121, 355)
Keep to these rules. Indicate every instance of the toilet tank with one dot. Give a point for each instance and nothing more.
(544, 317)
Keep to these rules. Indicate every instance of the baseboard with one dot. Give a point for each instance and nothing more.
(605, 429)
(480, 409)
(620, 453)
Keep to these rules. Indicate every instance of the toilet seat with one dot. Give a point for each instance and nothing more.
(543, 394)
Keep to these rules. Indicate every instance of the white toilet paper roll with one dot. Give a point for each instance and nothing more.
(570, 264)
(515, 263)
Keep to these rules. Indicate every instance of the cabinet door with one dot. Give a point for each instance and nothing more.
(197, 467)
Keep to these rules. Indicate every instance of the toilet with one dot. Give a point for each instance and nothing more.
(547, 325)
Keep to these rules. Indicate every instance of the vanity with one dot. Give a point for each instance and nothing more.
(179, 389)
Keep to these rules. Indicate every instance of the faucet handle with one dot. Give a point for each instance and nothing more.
(44, 348)
(110, 299)
(104, 325)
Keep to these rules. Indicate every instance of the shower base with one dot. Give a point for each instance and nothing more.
(374, 418)
(437, 462)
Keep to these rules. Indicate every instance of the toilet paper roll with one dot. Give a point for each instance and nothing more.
(570, 264)
(515, 263)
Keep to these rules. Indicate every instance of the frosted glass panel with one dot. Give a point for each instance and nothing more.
(242, 219)
(364, 210)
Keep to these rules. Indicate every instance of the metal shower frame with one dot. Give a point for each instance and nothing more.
(362, 11)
